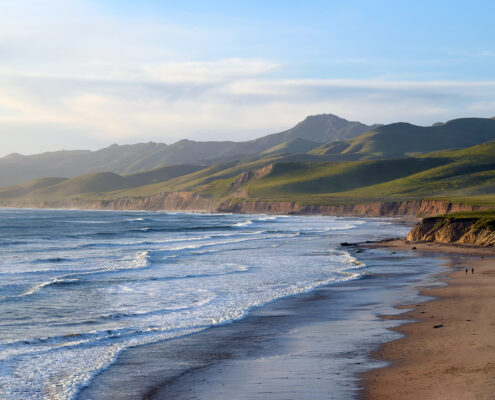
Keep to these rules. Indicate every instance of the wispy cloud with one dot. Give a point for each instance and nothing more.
(74, 76)
(228, 99)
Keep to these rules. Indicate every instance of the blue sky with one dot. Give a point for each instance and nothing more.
(85, 74)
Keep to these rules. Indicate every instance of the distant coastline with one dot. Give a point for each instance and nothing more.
(188, 201)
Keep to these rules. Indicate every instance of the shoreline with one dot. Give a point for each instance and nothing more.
(194, 202)
(447, 347)
(305, 346)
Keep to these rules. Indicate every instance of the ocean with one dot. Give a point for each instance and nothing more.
(78, 288)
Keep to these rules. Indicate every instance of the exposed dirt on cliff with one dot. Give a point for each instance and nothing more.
(465, 231)
(414, 208)
(188, 201)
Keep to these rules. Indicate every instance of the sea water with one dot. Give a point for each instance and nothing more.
(79, 287)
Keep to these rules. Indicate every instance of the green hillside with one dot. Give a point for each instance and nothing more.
(93, 183)
(13, 192)
(294, 146)
(129, 159)
(467, 174)
(317, 177)
(97, 182)
(402, 139)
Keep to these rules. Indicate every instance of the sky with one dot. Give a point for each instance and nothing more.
(86, 74)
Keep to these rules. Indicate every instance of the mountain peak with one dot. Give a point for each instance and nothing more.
(324, 116)
(324, 128)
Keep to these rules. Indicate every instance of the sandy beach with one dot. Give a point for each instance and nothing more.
(310, 346)
(448, 351)
(317, 345)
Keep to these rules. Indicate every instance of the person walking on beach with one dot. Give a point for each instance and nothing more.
(472, 271)
(466, 271)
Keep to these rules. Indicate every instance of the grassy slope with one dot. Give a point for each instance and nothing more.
(401, 139)
(12, 192)
(483, 219)
(127, 159)
(295, 146)
(92, 185)
(466, 175)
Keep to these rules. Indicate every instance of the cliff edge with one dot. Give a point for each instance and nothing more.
(473, 229)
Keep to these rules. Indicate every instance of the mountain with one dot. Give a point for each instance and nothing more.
(321, 128)
(294, 146)
(128, 159)
(94, 182)
(466, 175)
(401, 139)
(452, 161)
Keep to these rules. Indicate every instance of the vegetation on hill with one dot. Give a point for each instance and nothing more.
(129, 159)
(294, 146)
(402, 139)
(318, 177)
(484, 219)
(13, 192)
(466, 174)
(92, 183)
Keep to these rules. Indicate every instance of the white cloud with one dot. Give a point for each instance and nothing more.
(198, 102)
(72, 76)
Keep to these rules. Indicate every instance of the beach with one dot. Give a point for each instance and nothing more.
(112, 304)
(340, 341)
(448, 351)
(309, 346)
(180, 306)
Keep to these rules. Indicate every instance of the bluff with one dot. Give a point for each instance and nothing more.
(456, 229)
(187, 201)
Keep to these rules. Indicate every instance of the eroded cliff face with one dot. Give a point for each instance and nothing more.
(173, 201)
(465, 231)
(419, 208)
(188, 201)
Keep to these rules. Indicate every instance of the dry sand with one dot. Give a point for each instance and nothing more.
(449, 352)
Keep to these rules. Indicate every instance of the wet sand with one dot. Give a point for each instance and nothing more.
(449, 352)
(310, 346)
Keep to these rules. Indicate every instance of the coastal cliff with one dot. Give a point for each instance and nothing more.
(473, 231)
(171, 201)
(189, 201)
(413, 208)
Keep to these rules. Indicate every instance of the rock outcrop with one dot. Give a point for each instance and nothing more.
(248, 176)
(462, 231)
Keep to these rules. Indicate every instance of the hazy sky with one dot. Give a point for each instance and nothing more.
(85, 74)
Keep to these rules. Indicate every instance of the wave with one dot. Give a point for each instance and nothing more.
(51, 260)
(12, 242)
(257, 219)
(130, 274)
(268, 218)
(140, 261)
(243, 223)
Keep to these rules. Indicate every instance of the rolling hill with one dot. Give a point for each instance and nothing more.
(128, 159)
(94, 182)
(402, 139)
(452, 161)
(467, 174)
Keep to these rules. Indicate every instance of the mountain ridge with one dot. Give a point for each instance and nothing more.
(126, 159)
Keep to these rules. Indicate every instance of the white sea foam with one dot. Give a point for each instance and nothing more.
(243, 223)
(127, 291)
